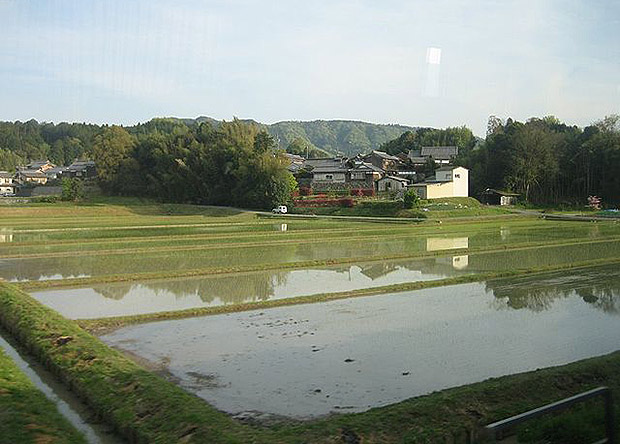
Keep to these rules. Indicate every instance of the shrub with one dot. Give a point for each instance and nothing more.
(343, 202)
(369, 192)
(411, 199)
(45, 199)
(72, 189)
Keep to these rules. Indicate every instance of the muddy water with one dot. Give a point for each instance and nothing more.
(178, 294)
(350, 355)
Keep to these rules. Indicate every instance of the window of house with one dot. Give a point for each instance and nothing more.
(458, 176)
(329, 176)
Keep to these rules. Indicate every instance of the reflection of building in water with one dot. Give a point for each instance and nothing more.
(504, 233)
(446, 243)
(6, 235)
(283, 227)
(377, 270)
(457, 262)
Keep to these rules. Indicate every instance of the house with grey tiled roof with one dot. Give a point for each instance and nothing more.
(442, 155)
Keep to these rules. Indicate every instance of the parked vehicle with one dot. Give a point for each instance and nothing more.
(280, 209)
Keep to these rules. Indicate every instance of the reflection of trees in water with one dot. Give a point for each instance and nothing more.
(232, 289)
(603, 297)
(530, 258)
(599, 288)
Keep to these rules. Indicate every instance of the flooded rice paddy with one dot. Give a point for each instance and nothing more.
(80, 264)
(340, 356)
(120, 299)
(350, 355)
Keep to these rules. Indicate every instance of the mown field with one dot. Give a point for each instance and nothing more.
(58, 246)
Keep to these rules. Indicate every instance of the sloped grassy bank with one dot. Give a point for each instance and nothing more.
(26, 415)
(146, 408)
(140, 405)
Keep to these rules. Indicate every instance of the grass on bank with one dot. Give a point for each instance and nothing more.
(443, 208)
(26, 415)
(146, 408)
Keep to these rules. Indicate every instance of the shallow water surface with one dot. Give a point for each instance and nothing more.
(120, 299)
(220, 255)
(351, 355)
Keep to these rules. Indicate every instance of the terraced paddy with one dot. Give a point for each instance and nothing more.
(114, 266)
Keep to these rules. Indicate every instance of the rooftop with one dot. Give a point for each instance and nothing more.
(439, 152)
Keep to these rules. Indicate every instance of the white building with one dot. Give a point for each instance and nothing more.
(391, 183)
(448, 182)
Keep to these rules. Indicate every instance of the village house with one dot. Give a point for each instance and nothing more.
(296, 162)
(40, 165)
(448, 182)
(441, 155)
(82, 169)
(391, 183)
(382, 160)
(7, 185)
(31, 177)
(337, 174)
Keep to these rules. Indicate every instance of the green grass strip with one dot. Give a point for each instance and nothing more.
(26, 415)
(146, 276)
(101, 325)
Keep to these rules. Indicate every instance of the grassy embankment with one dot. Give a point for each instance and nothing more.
(26, 415)
(145, 408)
(448, 207)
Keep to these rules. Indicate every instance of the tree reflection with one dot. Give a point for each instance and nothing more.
(600, 288)
(233, 289)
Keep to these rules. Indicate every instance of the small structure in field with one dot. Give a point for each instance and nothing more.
(498, 197)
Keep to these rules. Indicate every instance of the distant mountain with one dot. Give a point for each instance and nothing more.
(333, 137)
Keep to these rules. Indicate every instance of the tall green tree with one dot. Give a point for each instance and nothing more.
(111, 150)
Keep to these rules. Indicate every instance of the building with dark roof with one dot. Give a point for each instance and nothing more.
(442, 155)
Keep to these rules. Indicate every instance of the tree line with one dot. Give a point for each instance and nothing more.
(235, 164)
(542, 159)
(547, 161)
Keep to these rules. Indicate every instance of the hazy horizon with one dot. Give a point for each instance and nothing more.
(407, 63)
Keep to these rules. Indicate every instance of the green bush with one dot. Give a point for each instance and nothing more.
(411, 200)
(44, 199)
(72, 189)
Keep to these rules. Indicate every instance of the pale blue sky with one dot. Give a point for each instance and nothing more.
(127, 61)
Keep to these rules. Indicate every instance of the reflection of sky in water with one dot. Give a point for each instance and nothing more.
(122, 299)
(599, 287)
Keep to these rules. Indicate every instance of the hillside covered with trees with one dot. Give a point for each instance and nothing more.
(61, 143)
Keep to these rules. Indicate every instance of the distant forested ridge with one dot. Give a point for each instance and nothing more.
(336, 137)
(61, 143)
(324, 138)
